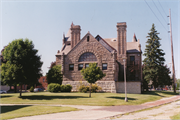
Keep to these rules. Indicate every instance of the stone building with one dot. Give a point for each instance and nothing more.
(109, 53)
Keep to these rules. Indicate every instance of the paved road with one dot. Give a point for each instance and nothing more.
(98, 112)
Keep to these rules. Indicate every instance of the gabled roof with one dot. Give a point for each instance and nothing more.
(87, 34)
(111, 44)
(68, 35)
(131, 47)
(104, 43)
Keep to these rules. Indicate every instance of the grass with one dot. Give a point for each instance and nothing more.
(15, 111)
(175, 117)
(97, 99)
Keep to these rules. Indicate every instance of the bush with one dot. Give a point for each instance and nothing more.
(63, 88)
(83, 88)
(54, 87)
(95, 88)
(66, 88)
(31, 89)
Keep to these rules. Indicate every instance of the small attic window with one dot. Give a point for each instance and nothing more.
(113, 39)
(98, 38)
(87, 38)
(68, 44)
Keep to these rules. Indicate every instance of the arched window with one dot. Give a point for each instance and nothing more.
(88, 56)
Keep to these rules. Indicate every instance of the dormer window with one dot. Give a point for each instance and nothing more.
(113, 40)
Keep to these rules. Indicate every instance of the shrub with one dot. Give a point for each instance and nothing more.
(31, 89)
(54, 87)
(66, 88)
(62, 88)
(94, 88)
(83, 88)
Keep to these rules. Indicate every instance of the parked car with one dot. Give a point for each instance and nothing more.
(37, 89)
(3, 91)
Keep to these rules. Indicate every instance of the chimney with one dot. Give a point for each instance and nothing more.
(121, 38)
(75, 34)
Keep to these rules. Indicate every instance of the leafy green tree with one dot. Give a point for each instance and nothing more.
(92, 74)
(154, 68)
(23, 65)
(54, 75)
(178, 84)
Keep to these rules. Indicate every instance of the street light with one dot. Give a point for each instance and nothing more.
(124, 60)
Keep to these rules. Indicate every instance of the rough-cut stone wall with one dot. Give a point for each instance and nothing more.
(107, 86)
(101, 53)
(131, 87)
(115, 64)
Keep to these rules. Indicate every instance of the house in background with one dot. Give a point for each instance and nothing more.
(44, 83)
(108, 53)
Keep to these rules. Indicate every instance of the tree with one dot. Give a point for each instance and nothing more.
(2, 59)
(54, 75)
(154, 68)
(52, 64)
(178, 84)
(163, 77)
(91, 74)
(23, 65)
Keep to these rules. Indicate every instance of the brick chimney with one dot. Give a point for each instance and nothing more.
(121, 38)
(75, 34)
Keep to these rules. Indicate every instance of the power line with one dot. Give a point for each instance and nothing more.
(162, 7)
(155, 15)
(159, 11)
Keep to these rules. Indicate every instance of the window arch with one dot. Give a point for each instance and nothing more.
(88, 56)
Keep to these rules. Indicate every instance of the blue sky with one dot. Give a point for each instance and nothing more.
(44, 21)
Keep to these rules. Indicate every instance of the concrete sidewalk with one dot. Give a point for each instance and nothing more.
(99, 112)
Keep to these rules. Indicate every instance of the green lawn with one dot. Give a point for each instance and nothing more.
(100, 99)
(9, 112)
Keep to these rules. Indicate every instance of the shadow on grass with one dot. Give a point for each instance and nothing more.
(122, 98)
(41, 97)
(170, 93)
(159, 92)
(4, 96)
(8, 108)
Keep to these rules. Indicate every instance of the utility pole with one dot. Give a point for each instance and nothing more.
(173, 69)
